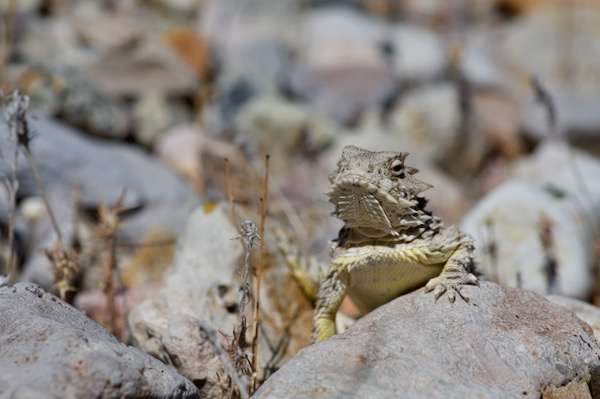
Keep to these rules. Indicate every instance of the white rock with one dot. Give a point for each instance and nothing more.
(419, 54)
(334, 36)
(510, 218)
(428, 119)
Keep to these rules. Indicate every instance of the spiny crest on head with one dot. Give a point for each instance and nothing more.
(383, 164)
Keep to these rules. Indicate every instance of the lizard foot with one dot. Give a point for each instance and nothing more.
(453, 284)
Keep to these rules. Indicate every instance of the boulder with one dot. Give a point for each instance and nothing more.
(50, 349)
(507, 343)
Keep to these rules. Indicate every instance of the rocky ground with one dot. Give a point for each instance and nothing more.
(134, 107)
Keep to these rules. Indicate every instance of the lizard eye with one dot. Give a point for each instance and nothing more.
(397, 168)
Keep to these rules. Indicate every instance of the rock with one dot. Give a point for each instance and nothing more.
(67, 93)
(125, 30)
(37, 268)
(53, 42)
(343, 92)
(528, 237)
(229, 25)
(101, 170)
(255, 70)
(203, 286)
(507, 343)
(418, 54)
(585, 311)
(50, 349)
(561, 47)
(252, 53)
(480, 61)
(280, 127)
(153, 114)
(555, 188)
(341, 69)
(499, 117)
(179, 148)
(336, 36)
(93, 304)
(149, 66)
(564, 171)
(427, 119)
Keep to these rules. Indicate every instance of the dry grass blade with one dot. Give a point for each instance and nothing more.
(108, 224)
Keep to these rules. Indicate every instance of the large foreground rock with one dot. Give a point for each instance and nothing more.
(49, 349)
(507, 343)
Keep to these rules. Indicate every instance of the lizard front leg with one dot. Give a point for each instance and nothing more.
(332, 291)
(455, 274)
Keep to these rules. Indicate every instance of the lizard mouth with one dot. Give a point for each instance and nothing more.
(361, 203)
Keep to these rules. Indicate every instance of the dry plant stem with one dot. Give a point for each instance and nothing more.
(214, 339)
(40, 184)
(229, 192)
(261, 232)
(11, 267)
(109, 318)
(7, 35)
(248, 235)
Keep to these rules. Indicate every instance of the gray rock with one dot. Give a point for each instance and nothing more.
(149, 66)
(101, 170)
(50, 349)
(37, 268)
(507, 343)
(251, 43)
(562, 49)
(419, 54)
(341, 69)
(427, 119)
(286, 130)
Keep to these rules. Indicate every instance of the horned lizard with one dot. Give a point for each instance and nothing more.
(389, 244)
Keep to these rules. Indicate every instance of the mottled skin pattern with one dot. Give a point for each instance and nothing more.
(390, 245)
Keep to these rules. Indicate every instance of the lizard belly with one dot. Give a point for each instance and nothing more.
(377, 283)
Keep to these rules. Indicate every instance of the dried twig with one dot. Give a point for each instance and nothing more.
(229, 192)
(249, 235)
(263, 212)
(241, 382)
(107, 227)
(15, 114)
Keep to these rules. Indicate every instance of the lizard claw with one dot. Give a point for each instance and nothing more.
(453, 285)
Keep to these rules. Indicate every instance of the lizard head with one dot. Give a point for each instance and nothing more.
(375, 192)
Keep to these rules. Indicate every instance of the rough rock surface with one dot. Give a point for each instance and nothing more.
(507, 343)
(50, 349)
(584, 310)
